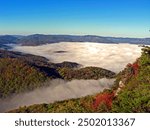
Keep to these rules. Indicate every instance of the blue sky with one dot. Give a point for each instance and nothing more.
(126, 18)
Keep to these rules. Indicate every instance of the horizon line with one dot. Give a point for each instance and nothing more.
(71, 35)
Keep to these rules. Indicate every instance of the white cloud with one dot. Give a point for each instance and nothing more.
(110, 56)
(56, 90)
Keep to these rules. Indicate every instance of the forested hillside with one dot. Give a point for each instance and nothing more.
(17, 76)
(135, 96)
(24, 72)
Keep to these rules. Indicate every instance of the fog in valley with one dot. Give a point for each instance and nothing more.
(113, 57)
(56, 90)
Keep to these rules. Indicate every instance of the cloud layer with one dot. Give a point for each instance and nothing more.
(109, 56)
(56, 90)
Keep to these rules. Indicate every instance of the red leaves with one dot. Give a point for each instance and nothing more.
(134, 67)
(103, 98)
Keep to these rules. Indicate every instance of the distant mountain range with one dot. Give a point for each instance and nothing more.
(39, 39)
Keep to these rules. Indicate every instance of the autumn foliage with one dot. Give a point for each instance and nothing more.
(134, 68)
(103, 99)
(18, 76)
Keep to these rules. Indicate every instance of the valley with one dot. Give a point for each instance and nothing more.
(60, 72)
(109, 56)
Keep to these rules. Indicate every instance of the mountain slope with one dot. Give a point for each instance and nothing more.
(40, 39)
(17, 76)
(135, 96)
(8, 39)
(85, 73)
(24, 72)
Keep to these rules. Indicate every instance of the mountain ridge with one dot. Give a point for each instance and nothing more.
(40, 39)
(22, 72)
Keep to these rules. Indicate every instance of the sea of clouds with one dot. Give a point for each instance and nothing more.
(113, 57)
